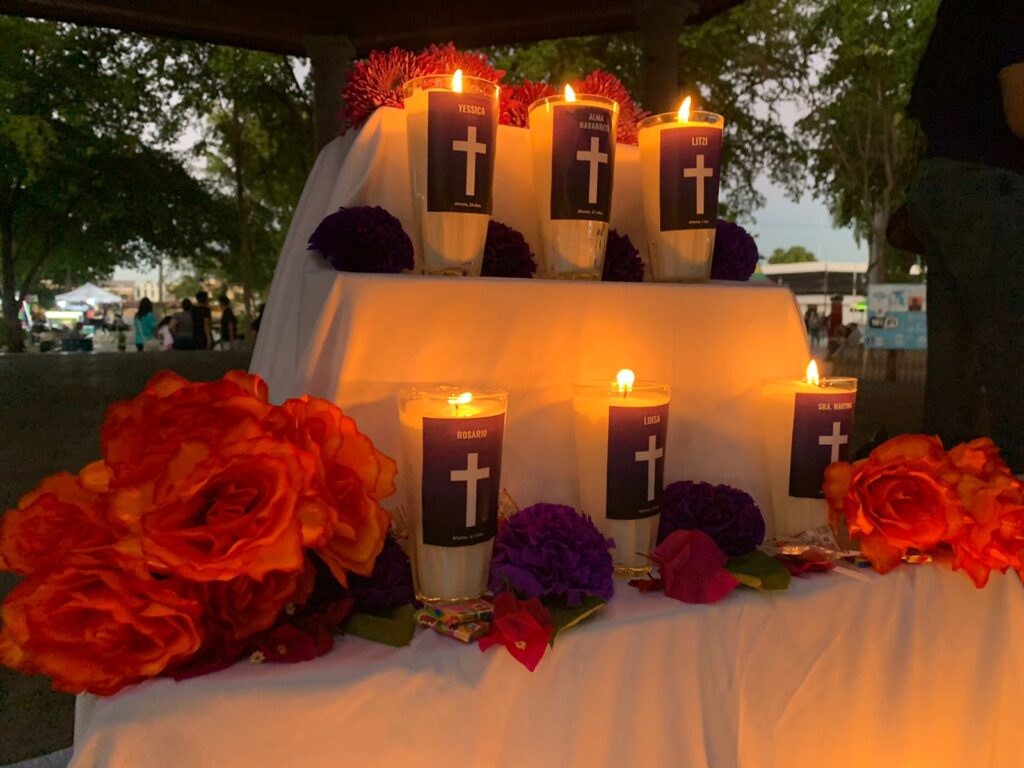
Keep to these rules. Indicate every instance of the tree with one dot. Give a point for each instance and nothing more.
(80, 192)
(855, 140)
(791, 255)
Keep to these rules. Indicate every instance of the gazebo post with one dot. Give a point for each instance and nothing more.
(329, 57)
(660, 23)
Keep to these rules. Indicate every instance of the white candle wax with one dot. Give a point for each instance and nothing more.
(678, 255)
(442, 572)
(635, 538)
(793, 514)
(572, 247)
(450, 242)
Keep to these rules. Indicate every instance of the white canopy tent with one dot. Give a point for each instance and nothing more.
(89, 294)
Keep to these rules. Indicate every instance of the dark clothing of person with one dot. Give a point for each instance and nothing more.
(970, 219)
(957, 96)
(200, 317)
(228, 325)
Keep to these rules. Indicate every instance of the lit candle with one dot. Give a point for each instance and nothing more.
(621, 432)
(808, 424)
(680, 162)
(573, 140)
(451, 450)
(452, 125)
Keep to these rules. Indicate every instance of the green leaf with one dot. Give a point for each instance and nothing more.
(396, 629)
(567, 618)
(759, 571)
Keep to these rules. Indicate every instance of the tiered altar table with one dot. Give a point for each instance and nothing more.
(916, 668)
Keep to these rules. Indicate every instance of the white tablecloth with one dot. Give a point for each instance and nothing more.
(916, 668)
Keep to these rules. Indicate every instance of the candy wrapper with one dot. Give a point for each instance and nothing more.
(464, 633)
(452, 614)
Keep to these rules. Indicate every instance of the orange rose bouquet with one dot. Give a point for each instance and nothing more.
(201, 532)
(910, 494)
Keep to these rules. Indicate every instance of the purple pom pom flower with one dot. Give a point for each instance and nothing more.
(363, 239)
(622, 262)
(550, 550)
(506, 253)
(389, 586)
(726, 514)
(736, 253)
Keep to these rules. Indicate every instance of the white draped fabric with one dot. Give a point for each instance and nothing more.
(916, 668)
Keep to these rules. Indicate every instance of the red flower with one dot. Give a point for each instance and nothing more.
(445, 59)
(605, 84)
(378, 82)
(516, 101)
(692, 567)
(901, 497)
(524, 627)
(96, 629)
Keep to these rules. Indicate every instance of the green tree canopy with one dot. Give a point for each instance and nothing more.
(791, 255)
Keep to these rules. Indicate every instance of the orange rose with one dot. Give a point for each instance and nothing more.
(95, 629)
(63, 518)
(140, 435)
(216, 515)
(237, 609)
(901, 497)
(980, 458)
(355, 476)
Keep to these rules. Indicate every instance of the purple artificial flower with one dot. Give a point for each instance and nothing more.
(726, 514)
(506, 253)
(622, 262)
(550, 550)
(363, 239)
(736, 253)
(389, 586)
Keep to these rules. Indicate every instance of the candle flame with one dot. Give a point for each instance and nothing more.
(463, 399)
(570, 94)
(812, 373)
(684, 110)
(624, 380)
(457, 81)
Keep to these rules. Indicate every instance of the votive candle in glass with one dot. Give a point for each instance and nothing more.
(807, 425)
(452, 124)
(452, 441)
(680, 166)
(621, 435)
(573, 142)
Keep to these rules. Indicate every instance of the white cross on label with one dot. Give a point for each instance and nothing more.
(651, 456)
(699, 172)
(836, 439)
(595, 159)
(471, 475)
(472, 148)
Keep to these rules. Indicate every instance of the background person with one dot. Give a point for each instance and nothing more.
(228, 323)
(181, 327)
(164, 335)
(145, 325)
(966, 206)
(202, 322)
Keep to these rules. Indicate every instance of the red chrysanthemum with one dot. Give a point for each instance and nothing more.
(378, 82)
(599, 83)
(516, 101)
(445, 59)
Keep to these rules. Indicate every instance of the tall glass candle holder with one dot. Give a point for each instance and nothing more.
(680, 163)
(807, 425)
(452, 441)
(621, 434)
(573, 141)
(452, 126)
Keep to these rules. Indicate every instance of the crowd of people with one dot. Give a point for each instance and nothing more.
(842, 339)
(190, 328)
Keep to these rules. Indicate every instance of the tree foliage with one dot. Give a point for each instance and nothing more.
(791, 255)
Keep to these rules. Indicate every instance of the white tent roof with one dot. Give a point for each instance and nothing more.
(88, 294)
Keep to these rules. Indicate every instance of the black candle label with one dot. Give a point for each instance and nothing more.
(690, 163)
(822, 425)
(461, 479)
(636, 461)
(582, 163)
(460, 152)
